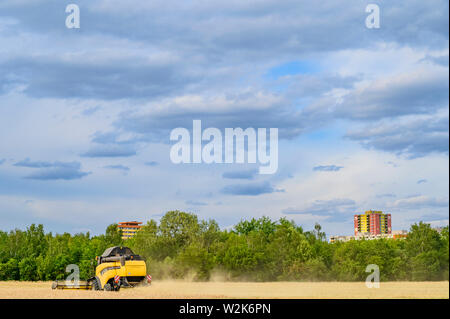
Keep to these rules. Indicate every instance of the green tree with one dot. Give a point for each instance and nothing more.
(444, 260)
(177, 229)
(258, 249)
(423, 245)
(113, 235)
(10, 270)
(262, 225)
(28, 269)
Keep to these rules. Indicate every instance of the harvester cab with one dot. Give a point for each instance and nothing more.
(118, 267)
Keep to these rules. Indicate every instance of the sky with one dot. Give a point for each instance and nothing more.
(86, 114)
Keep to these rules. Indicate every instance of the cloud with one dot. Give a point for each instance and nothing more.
(110, 150)
(392, 164)
(315, 85)
(323, 207)
(244, 108)
(2, 161)
(277, 28)
(421, 181)
(151, 163)
(44, 164)
(107, 138)
(432, 217)
(53, 170)
(418, 92)
(340, 209)
(441, 60)
(412, 137)
(387, 195)
(195, 203)
(82, 77)
(254, 189)
(221, 41)
(421, 91)
(57, 173)
(420, 201)
(118, 167)
(327, 168)
(246, 174)
(91, 110)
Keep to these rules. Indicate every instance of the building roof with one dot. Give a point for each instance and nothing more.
(130, 223)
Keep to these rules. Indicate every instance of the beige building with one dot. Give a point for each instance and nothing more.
(129, 229)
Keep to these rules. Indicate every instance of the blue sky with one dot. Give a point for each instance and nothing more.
(85, 114)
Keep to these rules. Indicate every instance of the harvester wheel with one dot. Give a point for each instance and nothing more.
(95, 284)
(108, 287)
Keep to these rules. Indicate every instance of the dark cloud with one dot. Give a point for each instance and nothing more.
(251, 26)
(105, 137)
(151, 163)
(43, 164)
(53, 170)
(327, 168)
(64, 173)
(254, 189)
(109, 144)
(165, 58)
(110, 150)
(441, 60)
(111, 78)
(386, 99)
(206, 44)
(417, 92)
(244, 109)
(118, 167)
(416, 137)
(243, 174)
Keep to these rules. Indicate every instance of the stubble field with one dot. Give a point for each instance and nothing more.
(189, 290)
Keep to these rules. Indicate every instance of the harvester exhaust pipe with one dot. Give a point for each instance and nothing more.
(115, 258)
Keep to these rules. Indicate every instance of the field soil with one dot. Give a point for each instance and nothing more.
(185, 290)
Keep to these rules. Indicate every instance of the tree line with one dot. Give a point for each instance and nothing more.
(182, 246)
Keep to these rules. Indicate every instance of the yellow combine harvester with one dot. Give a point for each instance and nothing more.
(117, 267)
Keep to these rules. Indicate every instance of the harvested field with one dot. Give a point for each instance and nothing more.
(186, 290)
